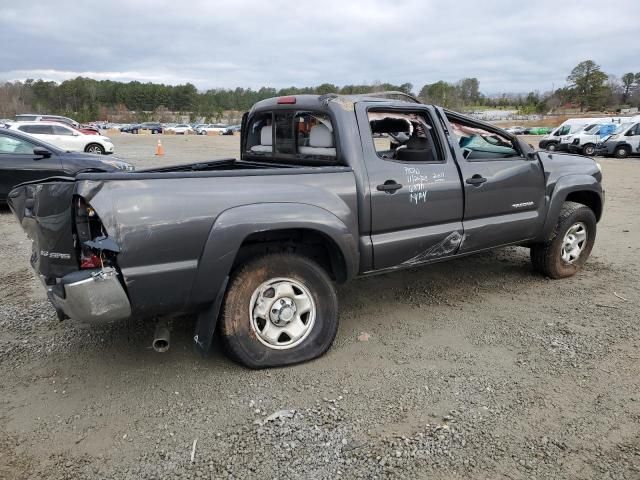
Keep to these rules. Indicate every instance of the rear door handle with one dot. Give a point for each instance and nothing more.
(390, 186)
(476, 180)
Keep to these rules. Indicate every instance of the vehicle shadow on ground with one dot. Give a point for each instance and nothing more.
(439, 285)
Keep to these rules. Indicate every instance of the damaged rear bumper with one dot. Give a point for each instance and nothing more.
(93, 296)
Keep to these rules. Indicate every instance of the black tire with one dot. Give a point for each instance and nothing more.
(622, 152)
(551, 147)
(94, 148)
(589, 149)
(546, 257)
(240, 337)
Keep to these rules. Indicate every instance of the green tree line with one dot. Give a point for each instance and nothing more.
(588, 88)
(86, 99)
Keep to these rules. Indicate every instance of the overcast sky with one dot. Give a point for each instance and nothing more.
(509, 46)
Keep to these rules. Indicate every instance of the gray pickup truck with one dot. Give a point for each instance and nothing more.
(327, 188)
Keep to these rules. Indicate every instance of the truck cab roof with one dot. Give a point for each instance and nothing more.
(322, 101)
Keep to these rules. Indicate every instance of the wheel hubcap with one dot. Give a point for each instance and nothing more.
(282, 313)
(574, 242)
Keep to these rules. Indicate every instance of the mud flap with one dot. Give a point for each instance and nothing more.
(207, 322)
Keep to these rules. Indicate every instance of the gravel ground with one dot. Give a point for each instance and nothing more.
(474, 368)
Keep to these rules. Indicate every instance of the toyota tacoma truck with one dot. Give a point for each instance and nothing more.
(326, 189)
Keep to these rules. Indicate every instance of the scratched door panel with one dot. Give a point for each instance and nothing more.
(503, 188)
(422, 220)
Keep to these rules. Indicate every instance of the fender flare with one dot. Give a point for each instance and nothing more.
(623, 143)
(563, 187)
(228, 232)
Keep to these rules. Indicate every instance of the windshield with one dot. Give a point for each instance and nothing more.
(622, 127)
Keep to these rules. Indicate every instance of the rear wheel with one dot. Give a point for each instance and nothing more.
(551, 147)
(622, 151)
(280, 309)
(94, 148)
(569, 245)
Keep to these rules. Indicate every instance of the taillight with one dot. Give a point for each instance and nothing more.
(89, 231)
(92, 261)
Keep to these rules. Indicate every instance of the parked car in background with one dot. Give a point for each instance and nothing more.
(153, 127)
(515, 130)
(131, 128)
(30, 117)
(213, 128)
(231, 130)
(34, 117)
(624, 142)
(180, 129)
(536, 130)
(24, 158)
(65, 137)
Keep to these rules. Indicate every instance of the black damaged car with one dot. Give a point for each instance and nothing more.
(24, 158)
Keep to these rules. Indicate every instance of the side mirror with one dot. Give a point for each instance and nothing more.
(532, 155)
(41, 152)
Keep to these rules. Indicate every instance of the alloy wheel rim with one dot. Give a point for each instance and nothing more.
(282, 313)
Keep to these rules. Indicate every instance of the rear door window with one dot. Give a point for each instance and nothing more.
(36, 129)
(60, 130)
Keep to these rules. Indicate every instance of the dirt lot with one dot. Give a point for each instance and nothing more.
(475, 368)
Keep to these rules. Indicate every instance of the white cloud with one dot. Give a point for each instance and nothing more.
(279, 43)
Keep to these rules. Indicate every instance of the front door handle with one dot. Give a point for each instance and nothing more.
(390, 186)
(476, 180)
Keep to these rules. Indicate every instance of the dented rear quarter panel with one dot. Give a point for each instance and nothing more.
(164, 226)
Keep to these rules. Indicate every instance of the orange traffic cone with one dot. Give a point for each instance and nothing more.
(159, 149)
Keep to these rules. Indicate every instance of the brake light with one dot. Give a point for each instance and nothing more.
(286, 100)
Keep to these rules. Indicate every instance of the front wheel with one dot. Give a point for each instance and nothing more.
(589, 150)
(94, 148)
(280, 309)
(569, 245)
(621, 152)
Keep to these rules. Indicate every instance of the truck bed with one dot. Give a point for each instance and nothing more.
(228, 167)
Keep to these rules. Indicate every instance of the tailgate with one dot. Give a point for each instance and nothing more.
(44, 210)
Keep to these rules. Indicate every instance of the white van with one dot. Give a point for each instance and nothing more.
(587, 141)
(625, 140)
(551, 141)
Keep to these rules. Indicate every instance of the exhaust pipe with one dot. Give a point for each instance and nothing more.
(161, 338)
